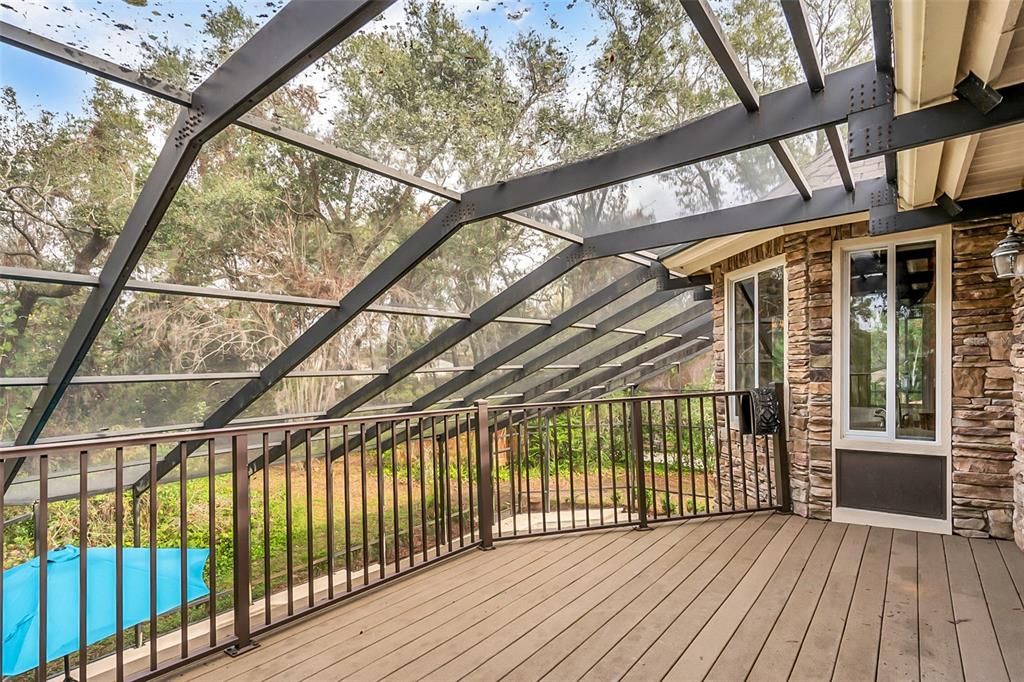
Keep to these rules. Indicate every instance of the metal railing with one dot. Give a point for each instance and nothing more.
(294, 523)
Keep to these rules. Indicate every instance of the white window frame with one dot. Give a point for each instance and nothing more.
(731, 278)
(844, 438)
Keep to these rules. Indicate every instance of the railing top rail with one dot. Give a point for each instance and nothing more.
(175, 437)
(504, 407)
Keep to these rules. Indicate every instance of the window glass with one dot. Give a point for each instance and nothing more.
(743, 334)
(915, 341)
(771, 335)
(868, 340)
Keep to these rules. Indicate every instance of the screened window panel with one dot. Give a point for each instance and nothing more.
(304, 395)
(258, 215)
(711, 185)
(544, 346)
(182, 42)
(76, 152)
(482, 344)
(868, 340)
(471, 93)
(169, 334)
(475, 264)
(35, 320)
(916, 342)
(15, 404)
(582, 281)
(110, 408)
(375, 341)
(621, 303)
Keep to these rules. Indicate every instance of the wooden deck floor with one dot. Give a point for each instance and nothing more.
(763, 596)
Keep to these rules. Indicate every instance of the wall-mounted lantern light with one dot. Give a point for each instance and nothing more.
(1008, 256)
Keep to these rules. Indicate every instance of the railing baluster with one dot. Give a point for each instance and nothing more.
(152, 556)
(394, 495)
(423, 492)
(83, 580)
(408, 495)
(600, 471)
(664, 462)
(435, 486)
(311, 596)
(704, 457)
(693, 462)
(289, 548)
(118, 561)
(382, 559)
(654, 469)
(572, 475)
(329, 492)
(470, 486)
(679, 457)
(362, 483)
(529, 500)
(743, 450)
(447, 486)
(586, 467)
(630, 453)
(348, 508)
(553, 425)
(611, 449)
(509, 440)
(458, 476)
(267, 616)
(211, 475)
(42, 551)
(183, 529)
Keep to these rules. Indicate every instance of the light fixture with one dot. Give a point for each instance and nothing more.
(1006, 258)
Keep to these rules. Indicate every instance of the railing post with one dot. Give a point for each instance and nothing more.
(485, 488)
(240, 543)
(781, 453)
(637, 438)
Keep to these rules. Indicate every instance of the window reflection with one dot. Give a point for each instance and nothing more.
(915, 341)
(743, 333)
(868, 334)
(770, 327)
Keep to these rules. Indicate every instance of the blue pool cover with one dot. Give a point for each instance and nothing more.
(21, 598)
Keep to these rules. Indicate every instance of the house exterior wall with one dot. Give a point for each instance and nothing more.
(983, 315)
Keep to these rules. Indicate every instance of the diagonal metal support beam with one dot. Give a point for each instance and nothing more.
(710, 30)
(832, 202)
(795, 12)
(299, 33)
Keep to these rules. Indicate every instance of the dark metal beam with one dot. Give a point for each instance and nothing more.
(795, 12)
(881, 32)
(689, 281)
(65, 54)
(875, 132)
(704, 20)
(884, 219)
(785, 113)
(796, 17)
(301, 31)
(710, 31)
(832, 202)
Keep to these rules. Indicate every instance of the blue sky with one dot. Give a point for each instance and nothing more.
(114, 29)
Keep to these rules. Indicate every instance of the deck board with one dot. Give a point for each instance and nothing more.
(759, 596)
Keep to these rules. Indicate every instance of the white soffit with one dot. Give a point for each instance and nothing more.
(936, 44)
